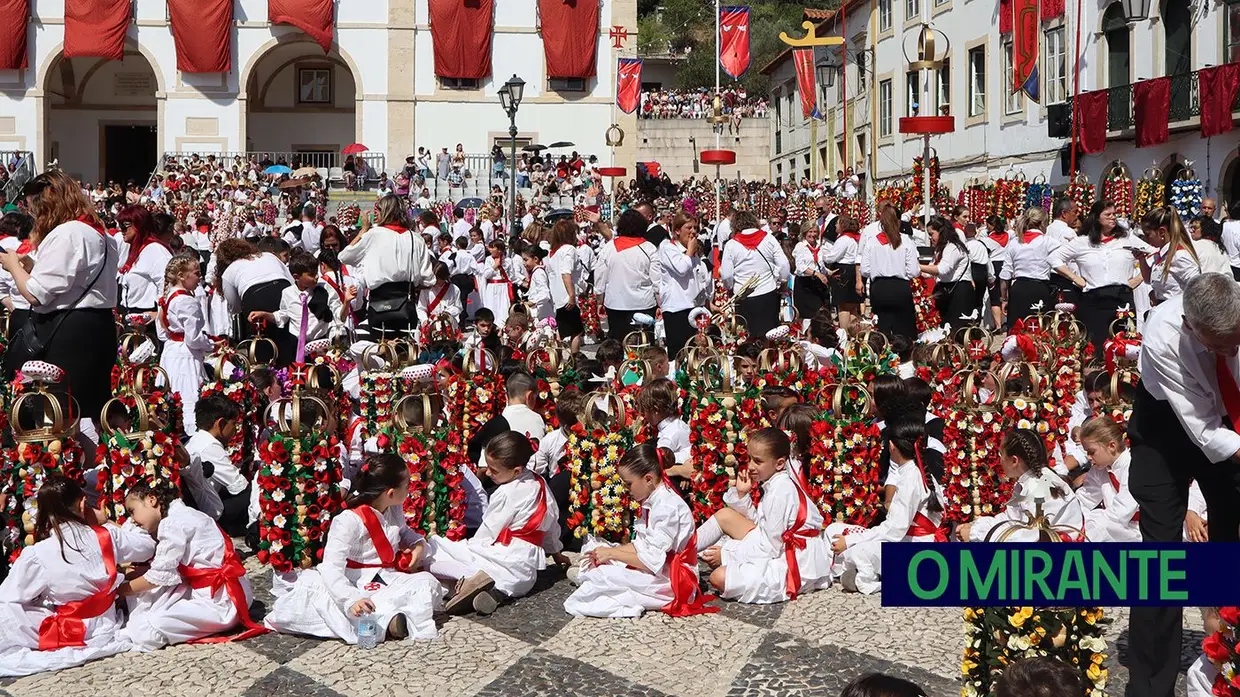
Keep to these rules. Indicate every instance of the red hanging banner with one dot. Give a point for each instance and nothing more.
(734, 40)
(1217, 87)
(803, 61)
(570, 37)
(1005, 16)
(629, 84)
(1025, 37)
(1092, 110)
(1151, 108)
(1052, 9)
(96, 28)
(315, 17)
(461, 33)
(16, 15)
(201, 30)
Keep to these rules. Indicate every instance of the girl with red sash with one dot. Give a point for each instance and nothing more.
(519, 529)
(195, 586)
(497, 276)
(369, 566)
(182, 327)
(57, 605)
(774, 550)
(1111, 512)
(657, 570)
(915, 514)
(1022, 456)
(443, 298)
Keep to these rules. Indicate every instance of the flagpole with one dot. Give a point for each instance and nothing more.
(844, 85)
(1076, 89)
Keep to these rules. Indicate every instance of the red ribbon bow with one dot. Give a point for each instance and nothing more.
(66, 627)
(228, 577)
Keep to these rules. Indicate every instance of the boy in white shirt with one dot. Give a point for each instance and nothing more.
(325, 311)
(218, 487)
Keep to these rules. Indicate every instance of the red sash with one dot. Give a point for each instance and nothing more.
(1001, 238)
(682, 573)
(512, 293)
(794, 540)
(430, 309)
(750, 240)
(1136, 517)
(228, 576)
(387, 556)
(1228, 389)
(352, 430)
(339, 291)
(923, 526)
(623, 243)
(163, 314)
(531, 532)
(396, 229)
(67, 626)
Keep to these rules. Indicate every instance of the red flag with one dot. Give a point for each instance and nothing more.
(1052, 9)
(1217, 87)
(96, 28)
(570, 37)
(803, 60)
(629, 84)
(1025, 47)
(201, 30)
(734, 40)
(1151, 107)
(461, 33)
(1091, 109)
(13, 34)
(1005, 16)
(315, 17)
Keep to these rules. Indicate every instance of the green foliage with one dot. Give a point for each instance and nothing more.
(689, 26)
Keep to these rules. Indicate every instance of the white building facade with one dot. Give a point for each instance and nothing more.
(377, 86)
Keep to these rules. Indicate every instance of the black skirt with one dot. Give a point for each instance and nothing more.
(981, 278)
(568, 322)
(1023, 295)
(1063, 291)
(679, 331)
(844, 285)
(996, 294)
(620, 322)
(760, 312)
(266, 297)
(892, 300)
(88, 372)
(1097, 311)
(18, 318)
(809, 295)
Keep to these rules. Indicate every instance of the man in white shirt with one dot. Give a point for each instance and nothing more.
(310, 231)
(1183, 427)
(1231, 238)
(460, 228)
(1061, 230)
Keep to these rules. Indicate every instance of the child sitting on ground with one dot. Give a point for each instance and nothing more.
(777, 540)
(1114, 514)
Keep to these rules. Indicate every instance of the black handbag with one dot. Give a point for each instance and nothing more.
(29, 343)
(393, 303)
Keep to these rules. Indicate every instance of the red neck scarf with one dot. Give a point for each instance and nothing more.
(623, 243)
(1030, 236)
(204, 229)
(1000, 237)
(136, 252)
(856, 236)
(750, 239)
(396, 229)
(93, 222)
(813, 251)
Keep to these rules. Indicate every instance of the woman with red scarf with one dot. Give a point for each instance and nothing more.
(810, 292)
(1026, 275)
(396, 265)
(755, 258)
(890, 262)
(627, 274)
(69, 279)
(841, 259)
(142, 268)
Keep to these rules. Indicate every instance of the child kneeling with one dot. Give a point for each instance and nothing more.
(519, 528)
(658, 569)
(369, 567)
(774, 550)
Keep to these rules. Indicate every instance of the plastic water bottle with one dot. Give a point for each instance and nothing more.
(367, 631)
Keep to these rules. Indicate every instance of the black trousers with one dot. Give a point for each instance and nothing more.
(678, 329)
(236, 515)
(620, 322)
(1097, 311)
(266, 297)
(892, 300)
(465, 283)
(1165, 460)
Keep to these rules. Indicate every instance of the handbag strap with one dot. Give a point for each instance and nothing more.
(63, 313)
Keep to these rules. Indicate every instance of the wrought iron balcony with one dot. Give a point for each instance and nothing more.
(1185, 102)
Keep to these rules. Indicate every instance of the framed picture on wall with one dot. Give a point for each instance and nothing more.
(314, 85)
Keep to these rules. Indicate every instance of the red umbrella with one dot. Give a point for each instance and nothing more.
(354, 149)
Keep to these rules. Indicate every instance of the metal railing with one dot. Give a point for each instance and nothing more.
(1185, 102)
(19, 174)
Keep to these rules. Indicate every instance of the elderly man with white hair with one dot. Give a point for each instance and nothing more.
(1183, 428)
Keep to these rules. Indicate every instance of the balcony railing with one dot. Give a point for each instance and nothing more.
(1185, 102)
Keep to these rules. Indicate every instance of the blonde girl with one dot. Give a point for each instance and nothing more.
(1113, 512)
(1175, 263)
(181, 325)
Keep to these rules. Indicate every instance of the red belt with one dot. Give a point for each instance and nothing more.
(531, 532)
(67, 626)
(795, 540)
(175, 336)
(227, 576)
(923, 526)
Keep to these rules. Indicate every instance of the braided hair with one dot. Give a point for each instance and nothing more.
(1025, 444)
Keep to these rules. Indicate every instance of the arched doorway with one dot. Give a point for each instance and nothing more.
(302, 102)
(1177, 21)
(102, 118)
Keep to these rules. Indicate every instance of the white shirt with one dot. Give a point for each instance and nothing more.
(185, 316)
(522, 419)
(884, 261)
(204, 448)
(244, 274)
(1168, 282)
(997, 250)
(144, 282)
(663, 525)
(953, 265)
(724, 230)
(512, 505)
(348, 539)
(1231, 241)
(539, 293)
(1061, 232)
(65, 264)
(628, 279)
(912, 497)
(1176, 368)
(550, 450)
(808, 261)
(1029, 259)
(767, 263)
(680, 285)
(310, 236)
(842, 251)
(388, 256)
(674, 435)
(449, 304)
(978, 253)
(561, 262)
(1212, 257)
(1108, 264)
(289, 314)
(1114, 521)
(461, 229)
(583, 267)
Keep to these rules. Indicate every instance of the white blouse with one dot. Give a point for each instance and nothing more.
(184, 316)
(662, 527)
(880, 260)
(512, 505)
(628, 280)
(66, 262)
(1107, 264)
(561, 262)
(843, 251)
(1029, 259)
(348, 539)
(388, 256)
(767, 263)
(244, 274)
(808, 260)
(188, 537)
(911, 497)
(775, 514)
(51, 574)
(1169, 276)
(539, 293)
(683, 277)
(449, 304)
(1213, 258)
(145, 281)
(953, 265)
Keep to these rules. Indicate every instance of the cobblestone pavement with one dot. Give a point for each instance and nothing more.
(812, 646)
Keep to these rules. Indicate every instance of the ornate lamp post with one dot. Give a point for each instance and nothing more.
(510, 99)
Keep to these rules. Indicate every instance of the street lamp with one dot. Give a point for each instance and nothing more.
(1136, 10)
(510, 99)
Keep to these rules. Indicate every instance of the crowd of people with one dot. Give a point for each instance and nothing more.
(700, 104)
(201, 265)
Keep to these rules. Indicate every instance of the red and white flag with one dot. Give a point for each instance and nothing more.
(629, 84)
(734, 40)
